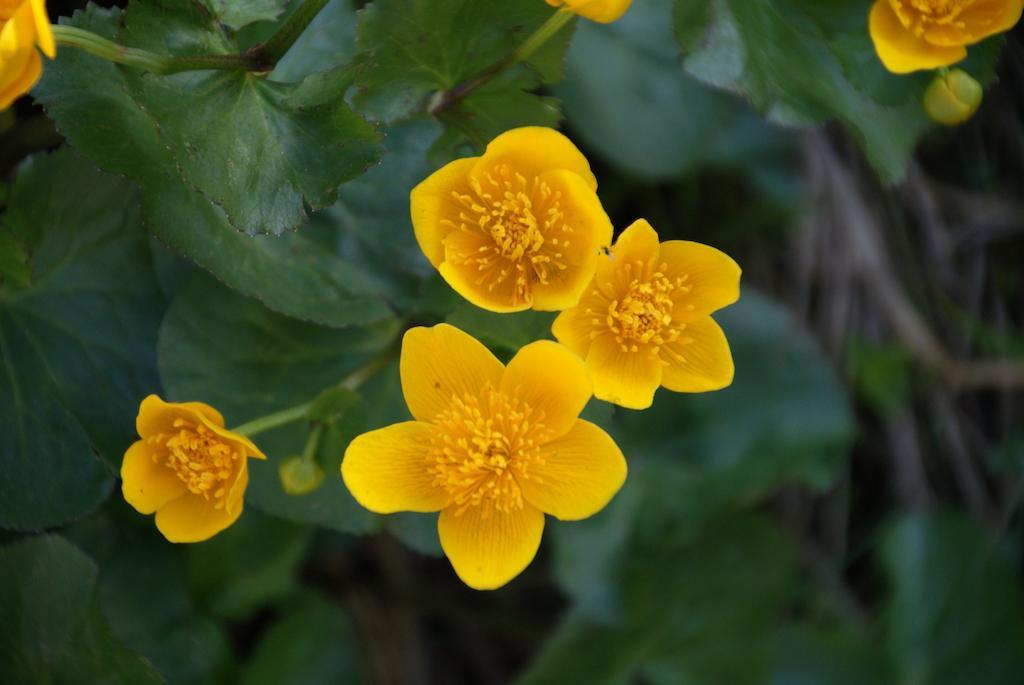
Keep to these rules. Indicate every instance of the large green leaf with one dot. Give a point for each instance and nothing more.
(956, 616)
(626, 96)
(414, 49)
(96, 104)
(239, 13)
(692, 598)
(806, 61)
(52, 629)
(77, 345)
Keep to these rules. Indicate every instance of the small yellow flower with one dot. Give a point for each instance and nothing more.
(23, 26)
(604, 11)
(519, 227)
(645, 320)
(187, 468)
(493, 448)
(911, 35)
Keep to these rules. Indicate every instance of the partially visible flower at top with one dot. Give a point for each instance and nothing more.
(645, 320)
(23, 25)
(603, 11)
(493, 448)
(912, 35)
(187, 468)
(519, 227)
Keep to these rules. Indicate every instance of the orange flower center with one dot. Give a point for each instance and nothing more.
(483, 447)
(524, 226)
(197, 455)
(918, 15)
(643, 315)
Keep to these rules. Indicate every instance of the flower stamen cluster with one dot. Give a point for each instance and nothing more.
(203, 462)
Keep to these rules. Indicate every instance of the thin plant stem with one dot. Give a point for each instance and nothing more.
(278, 44)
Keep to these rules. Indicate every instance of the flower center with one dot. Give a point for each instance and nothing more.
(918, 15)
(643, 315)
(203, 462)
(484, 446)
(524, 229)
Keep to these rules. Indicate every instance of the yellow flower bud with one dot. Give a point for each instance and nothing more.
(23, 25)
(300, 476)
(952, 98)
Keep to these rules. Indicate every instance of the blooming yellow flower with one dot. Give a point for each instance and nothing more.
(604, 11)
(519, 227)
(493, 448)
(23, 25)
(645, 320)
(911, 35)
(187, 468)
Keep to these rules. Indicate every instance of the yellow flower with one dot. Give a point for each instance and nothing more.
(911, 35)
(493, 448)
(187, 468)
(645, 320)
(519, 227)
(23, 25)
(604, 11)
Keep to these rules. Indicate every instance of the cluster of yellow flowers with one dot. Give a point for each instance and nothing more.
(23, 26)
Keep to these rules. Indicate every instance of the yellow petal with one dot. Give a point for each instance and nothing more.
(146, 484)
(18, 76)
(581, 472)
(573, 328)
(193, 518)
(625, 378)
(551, 380)
(237, 494)
(712, 276)
(573, 253)
(603, 11)
(988, 17)
(435, 213)
(900, 50)
(44, 35)
(156, 416)
(531, 151)
(487, 288)
(242, 442)
(699, 361)
(632, 256)
(387, 470)
(487, 551)
(440, 363)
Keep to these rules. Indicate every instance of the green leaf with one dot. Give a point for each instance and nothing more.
(53, 630)
(283, 363)
(830, 656)
(805, 62)
(502, 332)
(328, 42)
(692, 599)
(413, 50)
(627, 98)
(955, 616)
(14, 268)
(239, 13)
(76, 347)
(265, 150)
(248, 566)
(95, 107)
(312, 644)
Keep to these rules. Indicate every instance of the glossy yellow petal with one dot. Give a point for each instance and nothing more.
(44, 35)
(440, 363)
(387, 470)
(156, 416)
(581, 472)
(623, 377)
(193, 518)
(551, 380)
(247, 446)
(573, 328)
(699, 361)
(900, 50)
(533, 150)
(713, 277)
(24, 73)
(988, 17)
(435, 212)
(487, 287)
(603, 11)
(568, 259)
(488, 548)
(235, 498)
(146, 483)
(637, 247)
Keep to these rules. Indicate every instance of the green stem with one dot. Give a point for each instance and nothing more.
(72, 36)
(275, 420)
(278, 44)
(529, 46)
(312, 442)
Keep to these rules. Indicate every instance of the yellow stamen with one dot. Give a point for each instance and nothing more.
(205, 463)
